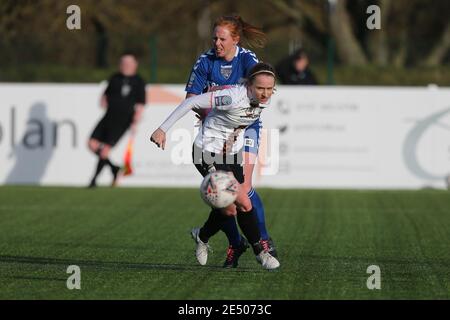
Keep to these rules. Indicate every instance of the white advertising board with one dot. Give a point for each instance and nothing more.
(314, 137)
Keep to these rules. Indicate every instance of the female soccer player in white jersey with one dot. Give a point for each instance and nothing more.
(220, 141)
(227, 63)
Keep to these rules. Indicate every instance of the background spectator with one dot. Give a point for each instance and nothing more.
(294, 69)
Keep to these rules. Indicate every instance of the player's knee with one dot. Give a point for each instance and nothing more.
(93, 145)
(244, 205)
(105, 152)
(229, 211)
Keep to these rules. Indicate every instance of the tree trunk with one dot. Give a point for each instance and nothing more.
(437, 54)
(348, 47)
(399, 59)
(378, 39)
(204, 25)
(101, 50)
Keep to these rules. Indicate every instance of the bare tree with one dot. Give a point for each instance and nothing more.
(378, 40)
(348, 47)
(439, 51)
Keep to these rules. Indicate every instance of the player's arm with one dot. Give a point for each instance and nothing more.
(140, 104)
(141, 100)
(250, 60)
(202, 113)
(104, 101)
(104, 98)
(198, 77)
(138, 111)
(199, 113)
(197, 82)
(215, 88)
(203, 101)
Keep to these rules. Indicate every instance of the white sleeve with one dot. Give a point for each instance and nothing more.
(202, 101)
(227, 99)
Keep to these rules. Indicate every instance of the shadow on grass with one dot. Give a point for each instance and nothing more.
(118, 265)
(410, 262)
(37, 278)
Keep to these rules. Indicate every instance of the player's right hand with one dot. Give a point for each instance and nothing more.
(159, 138)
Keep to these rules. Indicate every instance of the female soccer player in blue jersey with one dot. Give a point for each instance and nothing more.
(219, 145)
(227, 63)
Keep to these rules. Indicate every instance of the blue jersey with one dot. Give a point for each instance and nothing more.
(211, 71)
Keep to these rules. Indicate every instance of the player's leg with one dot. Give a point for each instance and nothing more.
(104, 154)
(229, 227)
(231, 231)
(249, 165)
(102, 150)
(95, 145)
(237, 244)
(201, 235)
(246, 217)
(251, 146)
(103, 138)
(116, 128)
(215, 219)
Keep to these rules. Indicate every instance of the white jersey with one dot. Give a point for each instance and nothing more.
(223, 129)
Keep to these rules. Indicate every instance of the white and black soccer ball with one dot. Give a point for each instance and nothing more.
(219, 189)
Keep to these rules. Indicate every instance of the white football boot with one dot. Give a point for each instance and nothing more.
(201, 252)
(267, 260)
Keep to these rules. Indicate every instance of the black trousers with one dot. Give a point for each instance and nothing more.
(205, 162)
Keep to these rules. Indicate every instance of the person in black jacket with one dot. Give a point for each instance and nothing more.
(294, 69)
(124, 100)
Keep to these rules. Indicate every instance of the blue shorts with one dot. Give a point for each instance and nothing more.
(252, 137)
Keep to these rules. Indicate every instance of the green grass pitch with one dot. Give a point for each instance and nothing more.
(134, 243)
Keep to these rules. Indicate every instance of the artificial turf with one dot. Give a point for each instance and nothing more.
(134, 243)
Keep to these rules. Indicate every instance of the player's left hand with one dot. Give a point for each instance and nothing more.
(159, 138)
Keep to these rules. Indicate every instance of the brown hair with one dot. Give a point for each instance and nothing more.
(259, 68)
(254, 36)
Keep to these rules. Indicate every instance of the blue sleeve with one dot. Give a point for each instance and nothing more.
(198, 77)
(250, 60)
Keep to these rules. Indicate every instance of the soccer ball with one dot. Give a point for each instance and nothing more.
(219, 189)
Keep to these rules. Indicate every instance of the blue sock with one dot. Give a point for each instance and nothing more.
(259, 209)
(232, 232)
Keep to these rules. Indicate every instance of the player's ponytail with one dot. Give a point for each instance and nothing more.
(254, 36)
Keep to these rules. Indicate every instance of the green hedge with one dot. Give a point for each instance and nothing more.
(367, 75)
(386, 76)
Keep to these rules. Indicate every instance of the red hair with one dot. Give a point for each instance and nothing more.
(254, 36)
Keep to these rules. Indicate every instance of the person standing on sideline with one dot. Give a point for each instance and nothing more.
(124, 101)
(294, 69)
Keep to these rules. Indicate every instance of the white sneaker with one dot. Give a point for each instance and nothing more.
(267, 260)
(201, 252)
